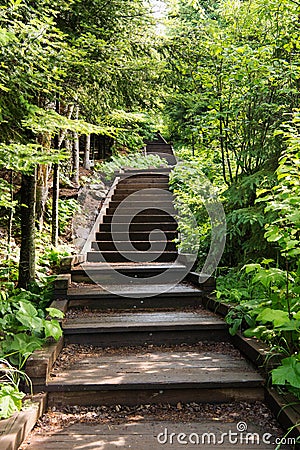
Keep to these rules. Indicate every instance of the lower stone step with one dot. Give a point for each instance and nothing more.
(139, 328)
(153, 377)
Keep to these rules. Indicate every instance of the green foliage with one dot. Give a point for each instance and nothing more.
(194, 196)
(288, 374)
(234, 78)
(10, 395)
(24, 325)
(10, 400)
(133, 160)
(66, 210)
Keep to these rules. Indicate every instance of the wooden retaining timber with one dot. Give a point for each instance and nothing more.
(13, 431)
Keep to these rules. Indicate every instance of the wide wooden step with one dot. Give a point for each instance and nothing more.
(132, 180)
(133, 210)
(139, 245)
(147, 434)
(138, 218)
(140, 204)
(135, 273)
(154, 377)
(135, 236)
(138, 227)
(137, 256)
(136, 295)
(143, 196)
(139, 328)
(132, 187)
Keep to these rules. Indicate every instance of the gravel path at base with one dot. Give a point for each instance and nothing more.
(74, 352)
(252, 413)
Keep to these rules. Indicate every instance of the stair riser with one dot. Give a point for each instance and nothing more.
(142, 257)
(137, 303)
(105, 236)
(135, 396)
(140, 187)
(139, 227)
(140, 204)
(127, 338)
(139, 209)
(136, 277)
(143, 246)
(139, 219)
(143, 180)
(140, 196)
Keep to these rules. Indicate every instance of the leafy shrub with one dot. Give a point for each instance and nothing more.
(10, 394)
(25, 327)
(133, 160)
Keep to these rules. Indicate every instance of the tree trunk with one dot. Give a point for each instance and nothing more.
(27, 252)
(42, 191)
(86, 159)
(75, 177)
(55, 198)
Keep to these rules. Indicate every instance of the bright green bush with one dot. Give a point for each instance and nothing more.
(133, 160)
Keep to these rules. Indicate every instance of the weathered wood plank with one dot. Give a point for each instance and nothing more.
(190, 369)
(144, 436)
(39, 364)
(14, 430)
(139, 319)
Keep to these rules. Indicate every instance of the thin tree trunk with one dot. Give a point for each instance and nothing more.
(75, 177)
(55, 189)
(11, 213)
(63, 133)
(86, 159)
(55, 198)
(42, 191)
(27, 252)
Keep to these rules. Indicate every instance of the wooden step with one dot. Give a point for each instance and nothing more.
(139, 328)
(138, 256)
(139, 245)
(148, 434)
(139, 218)
(134, 236)
(133, 180)
(136, 295)
(136, 273)
(133, 210)
(139, 227)
(155, 377)
(145, 194)
(140, 204)
(137, 186)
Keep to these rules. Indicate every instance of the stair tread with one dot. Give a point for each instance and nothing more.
(131, 266)
(157, 368)
(139, 290)
(137, 320)
(140, 435)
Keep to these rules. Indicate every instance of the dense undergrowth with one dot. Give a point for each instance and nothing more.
(259, 274)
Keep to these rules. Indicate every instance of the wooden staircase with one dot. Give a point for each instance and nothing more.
(140, 211)
(161, 324)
